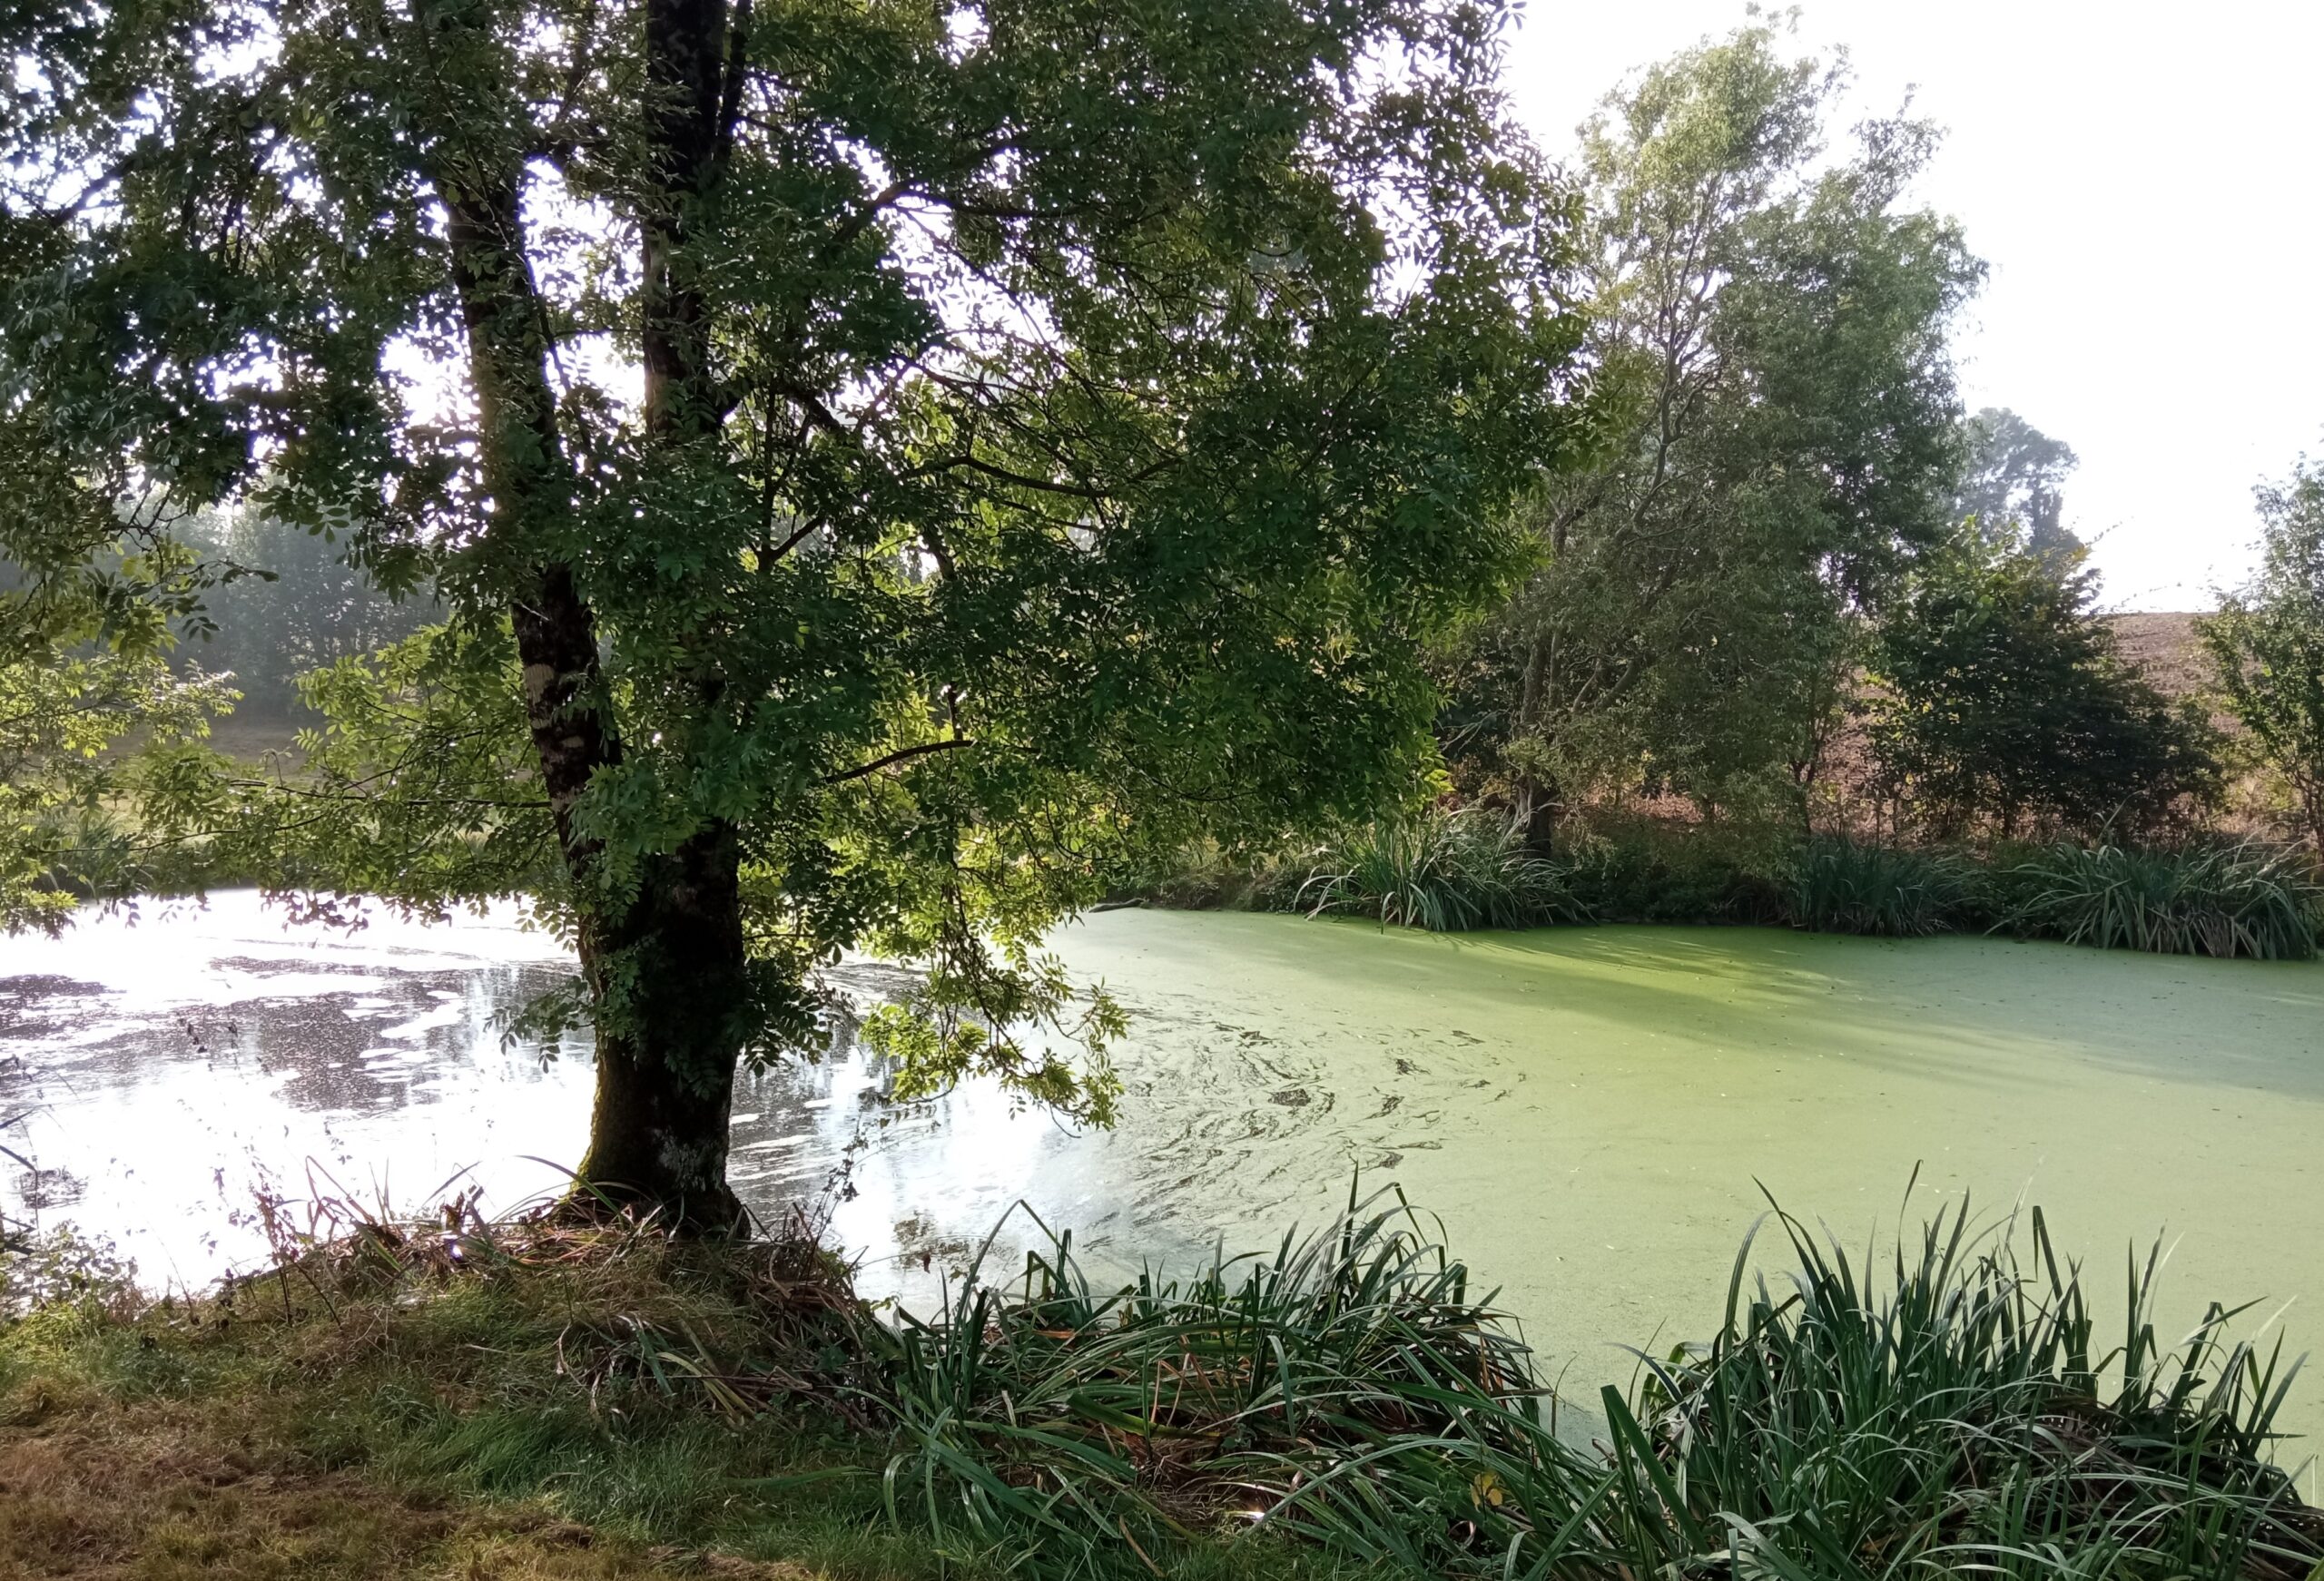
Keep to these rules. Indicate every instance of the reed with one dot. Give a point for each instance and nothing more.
(1447, 872)
(2238, 899)
(1953, 1413)
(1844, 887)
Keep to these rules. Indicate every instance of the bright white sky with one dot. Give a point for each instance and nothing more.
(2144, 184)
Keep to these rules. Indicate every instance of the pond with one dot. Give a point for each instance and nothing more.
(1592, 1112)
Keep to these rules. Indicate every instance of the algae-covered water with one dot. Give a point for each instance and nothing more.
(1592, 1112)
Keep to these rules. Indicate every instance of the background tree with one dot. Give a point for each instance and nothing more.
(2000, 701)
(2013, 477)
(91, 606)
(1776, 322)
(881, 462)
(302, 606)
(2267, 642)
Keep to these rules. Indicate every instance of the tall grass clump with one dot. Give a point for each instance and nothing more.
(1961, 1414)
(2243, 899)
(1956, 1417)
(1446, 872)
(1844, 887)
(1071, 1422)
(1953, 1415)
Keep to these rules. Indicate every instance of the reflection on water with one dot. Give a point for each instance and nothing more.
(1593, 1111)
(162, 1071)
(163, 1068)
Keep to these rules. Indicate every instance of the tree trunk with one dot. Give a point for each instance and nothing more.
(2311, 801)
(664, 962)
(1536, 817)
(671, 978)
(668, 1034)
(1537, 802)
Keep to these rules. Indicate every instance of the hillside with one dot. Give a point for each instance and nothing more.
(2164, 646)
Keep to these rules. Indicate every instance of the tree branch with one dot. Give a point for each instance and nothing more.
(901, 754)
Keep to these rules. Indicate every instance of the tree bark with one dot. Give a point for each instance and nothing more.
(669, 1031)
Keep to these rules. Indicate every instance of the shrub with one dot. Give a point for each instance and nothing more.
(2266, 643)
(1640, 872)
(1202, 877)
(2244, 899)
(2001, 701)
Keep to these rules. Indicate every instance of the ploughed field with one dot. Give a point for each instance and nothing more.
(1592, 1112)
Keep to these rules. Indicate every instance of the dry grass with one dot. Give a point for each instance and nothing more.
(522, 1401)
(93, 1488)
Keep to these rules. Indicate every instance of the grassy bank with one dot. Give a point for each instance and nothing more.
(534, 1401)
(1450, 873)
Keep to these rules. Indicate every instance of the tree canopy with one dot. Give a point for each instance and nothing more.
(1773, 316)
(2001, 701)
(2267, 642)
(2013, 480)
(880, 463)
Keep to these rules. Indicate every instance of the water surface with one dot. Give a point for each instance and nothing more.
(1594, 1112)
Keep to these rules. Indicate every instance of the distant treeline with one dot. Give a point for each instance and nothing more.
(291, 602)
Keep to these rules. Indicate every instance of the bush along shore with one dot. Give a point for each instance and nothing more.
(1453, 871)
(543, 1399)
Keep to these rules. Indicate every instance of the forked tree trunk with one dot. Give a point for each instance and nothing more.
(665, 967)
(1536, 818)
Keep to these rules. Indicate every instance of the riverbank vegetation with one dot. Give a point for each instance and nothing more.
(1802, 643)
(1454, 870)
(541, 1399)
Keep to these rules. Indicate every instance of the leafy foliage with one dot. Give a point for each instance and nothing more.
(2267, 642)
(2001, 699)
(70, 794)
(885, 468)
